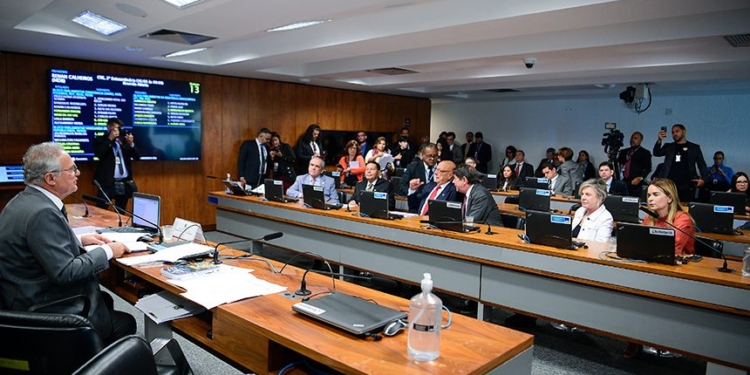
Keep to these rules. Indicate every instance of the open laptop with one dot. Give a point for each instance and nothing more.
(623, 208)
(490, 181)
(536, 183)
(274, 191)
(642, 242)
(736, 200)
(534, 199)
(146, 206)
(448, 215)
(314, 197)
(545, 228)
(235, 187)
(352, 314)
(374, 204)
(712, 218)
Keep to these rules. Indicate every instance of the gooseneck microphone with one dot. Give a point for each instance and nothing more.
(109, 202)
(86, 206)
(158, 229)
(267, 237)
(653, 214)
(303, 291)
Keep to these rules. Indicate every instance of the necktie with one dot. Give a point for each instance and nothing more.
(370, 186)
(518, 169)
(432, 196)
(552, 185)
(313, 181)
(430, 173)
(314, 147)
(64, 212)
(118, 152)
(262, 151)
(608, 186)
(626, 172)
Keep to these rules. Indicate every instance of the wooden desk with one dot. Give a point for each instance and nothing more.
(263, 334)
(691, 309)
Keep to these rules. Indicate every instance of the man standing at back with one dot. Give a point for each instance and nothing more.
(680, 162)
(455, 147)
(252, 164)
(419, 173)
(42, 259)
(635, 163)
(481, 152)
(113, 170)
(465, 146)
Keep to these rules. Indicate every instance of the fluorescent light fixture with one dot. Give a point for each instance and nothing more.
(100, 24)
(297, 25)
(185, 52)
(183, 3)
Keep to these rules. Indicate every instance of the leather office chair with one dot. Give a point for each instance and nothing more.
(716, 247)
(133, 355)
(513, 221)
(511, 199)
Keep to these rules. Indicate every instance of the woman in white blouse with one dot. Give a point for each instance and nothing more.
(592, 221)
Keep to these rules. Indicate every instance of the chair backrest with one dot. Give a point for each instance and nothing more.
(128, 355)
(513, 221)
(45, 343)
(703, 250)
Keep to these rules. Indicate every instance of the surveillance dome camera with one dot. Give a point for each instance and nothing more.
(529, 62)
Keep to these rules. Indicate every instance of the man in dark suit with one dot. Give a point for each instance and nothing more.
(42, 259)
(680, 162)
(522, 169)
(614, 186)
(635, 163)
(440, 188)
(559, 184)
(478, 201)
(549, 159)
(252, 164)
(419, 173)
(481, 152)
(113, 170)
(373, 182)
(465, 146)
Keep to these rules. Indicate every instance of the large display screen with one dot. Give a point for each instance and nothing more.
(164, 116)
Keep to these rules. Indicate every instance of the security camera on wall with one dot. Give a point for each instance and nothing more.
(529, 62)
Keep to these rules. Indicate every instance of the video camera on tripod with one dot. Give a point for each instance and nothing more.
(612, 141)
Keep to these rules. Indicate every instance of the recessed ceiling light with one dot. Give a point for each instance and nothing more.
(297, 25)
(183, 3)
(185, 52)
(605, 85)
(100, 24)
(134, 49)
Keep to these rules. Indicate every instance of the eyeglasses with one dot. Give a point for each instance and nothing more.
(73, 169)
(430, 156)
(741, 182)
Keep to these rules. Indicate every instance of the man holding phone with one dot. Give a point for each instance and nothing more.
(681, 160)
(115, 149)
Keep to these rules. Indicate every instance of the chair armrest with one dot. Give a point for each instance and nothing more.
(78, 304)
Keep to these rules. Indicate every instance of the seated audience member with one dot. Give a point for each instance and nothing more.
(377, 151)
(472, 164)
(315, 177)
(558, 184)
(739, 185)
(719, 175)
(42, 259)
(419, 173)
(510, 156)
(585, 166)
(662, 199)
(521, 168)
(443, 149)
(614, 186)
(568, 168)
(592, 221)
(402, 153)
(478, 201)
(440, 188)
(373, 182)
(352, 165)
(282, 161)
(506, 180)
(549, 159)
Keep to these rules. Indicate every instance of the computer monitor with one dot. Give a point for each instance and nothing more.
(712, 218)
(314, 197)
(623, 208)
(736, 200)
(374, 204)
(147, 207)
(545, 228)
(274, 191)
(490, 181)
(641, 242)
(11, 174)
(536, 183)
(446, 215)
(534, 199)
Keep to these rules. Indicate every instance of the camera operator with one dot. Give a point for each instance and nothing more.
(115, 150)
(635, 162)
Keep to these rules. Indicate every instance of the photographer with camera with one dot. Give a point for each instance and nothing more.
(681, 160)
(115, 149)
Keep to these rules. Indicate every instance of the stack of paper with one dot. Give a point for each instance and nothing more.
(164, 306)
(170, 254)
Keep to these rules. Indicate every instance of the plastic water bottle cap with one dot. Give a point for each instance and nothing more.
(427, 283)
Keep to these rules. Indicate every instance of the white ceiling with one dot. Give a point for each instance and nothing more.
(460, 48)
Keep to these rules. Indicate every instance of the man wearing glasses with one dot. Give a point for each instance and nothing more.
(115, 149)
(315, 177)
(43, 260)
(440, 188)
(418, 174)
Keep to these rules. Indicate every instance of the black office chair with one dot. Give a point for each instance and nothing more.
(342, 197)
(714, 251)
(513, 221)
(511, 199)
(574, 208)
(398, 172)
(133, 355)
(396, 181)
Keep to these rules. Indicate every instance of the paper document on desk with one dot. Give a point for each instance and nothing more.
(133, 246)
(171, 254)
(230, 284)
(164, 306)
(89, 229)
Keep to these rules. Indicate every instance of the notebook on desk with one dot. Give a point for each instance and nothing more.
(352, 314)
(146, 206)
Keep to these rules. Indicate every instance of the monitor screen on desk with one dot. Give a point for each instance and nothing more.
(148, 207)
(274, 190)
(373, 204)
(534, 199)
(641, 242)
(545, 228)
(536, 183)
(490, 181)
(11, 174)
(623, 208)
(736, 200)
(712, 218)
(314, 196)
(446, 215)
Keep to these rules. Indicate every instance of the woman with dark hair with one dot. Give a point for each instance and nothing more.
(309, 146)
(739, 185)
(444, 150)
(510, 157)
(352, 164)
(282, 161)
(506, 180)
(585, 165)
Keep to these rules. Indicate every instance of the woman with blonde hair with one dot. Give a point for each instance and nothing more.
(592, 221)
(662, 199)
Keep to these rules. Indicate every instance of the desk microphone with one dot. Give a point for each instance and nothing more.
(303, 291)
(109, 202)
(84, 205)
(97, 199)
(267, 237)
(653, 214)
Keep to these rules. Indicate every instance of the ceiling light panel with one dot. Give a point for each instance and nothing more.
(98, 23)
(181, 4)
(297, 25)
(185, 52)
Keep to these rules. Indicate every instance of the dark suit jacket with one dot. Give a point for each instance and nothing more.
(538, 171)
(527, 170)
(695, 157)
(42, 260)
(305, 153)
(640, 164)
(618, 187)
(448, 193)
(413, 170)
(285, 170)
(248, 163)
(381, 185)
(483, 156)
(105, 168)
(481, 205)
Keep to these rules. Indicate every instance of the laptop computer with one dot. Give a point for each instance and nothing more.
(536, 183)
(234, 187)
(534, 199)
(448, 215)
(314, 197)
(374, 204)
(490, 181)
(712, 218)
(351, 314)
(545, 228)
(146, 206)
(623, 208)
(642, 242)
(736, 200)
(274, 191)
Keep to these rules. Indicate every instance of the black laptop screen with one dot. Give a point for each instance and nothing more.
(374, 204)
(736, 200)
(446, 215)
(534, 199)
(547, 229)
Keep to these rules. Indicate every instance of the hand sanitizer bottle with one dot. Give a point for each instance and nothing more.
(425, 310)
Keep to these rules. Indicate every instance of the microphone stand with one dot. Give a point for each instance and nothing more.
(84, 205)
(267, 237)
(303, 291)
(723, 269)
(109, 202)
(158, 229)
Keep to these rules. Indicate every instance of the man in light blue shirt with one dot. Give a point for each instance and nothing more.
(315, 177)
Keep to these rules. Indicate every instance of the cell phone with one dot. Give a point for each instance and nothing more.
(663, 128)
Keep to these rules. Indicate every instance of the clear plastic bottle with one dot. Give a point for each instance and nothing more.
(746, 262)
(425, 310)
